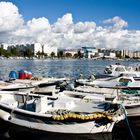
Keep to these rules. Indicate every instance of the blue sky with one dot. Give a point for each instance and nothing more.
(82, 10)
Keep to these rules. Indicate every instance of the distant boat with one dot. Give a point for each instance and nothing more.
(32, 112)
(117, 69)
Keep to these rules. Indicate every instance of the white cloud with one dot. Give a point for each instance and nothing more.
(38, 25)
(64, 33)
(82, 27)
(63, 25)
(10, 19)
(118, 22)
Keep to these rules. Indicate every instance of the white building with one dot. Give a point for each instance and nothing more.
(136, 54)
(111, 55)
(49, 49)
(126, 53)
(37, 47)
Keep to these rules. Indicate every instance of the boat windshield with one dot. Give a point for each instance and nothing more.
(120, 69)
(125, 80)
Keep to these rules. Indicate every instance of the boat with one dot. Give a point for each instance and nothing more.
(63, 114)
(37, 85)
(129, 99)
(10, 86)
(124, 81)
(118, 69)
(109, 93)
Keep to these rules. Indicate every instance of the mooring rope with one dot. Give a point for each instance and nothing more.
(127, 121)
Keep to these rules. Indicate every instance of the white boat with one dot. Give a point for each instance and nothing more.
(94, 97)
(117, 69)
(36, 84)
(132, 106)
(63, 115)
(130, 99)
(109, 93)
(9, 86)
(124, 81)
(41, 81)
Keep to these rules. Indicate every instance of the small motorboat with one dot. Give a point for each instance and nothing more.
(117, 69)
(122, 81)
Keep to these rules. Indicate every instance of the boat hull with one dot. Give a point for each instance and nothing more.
(132, 129)
(41, 126)
(16, 132)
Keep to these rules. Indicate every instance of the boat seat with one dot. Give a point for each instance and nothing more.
(30, 105)
(42, 105)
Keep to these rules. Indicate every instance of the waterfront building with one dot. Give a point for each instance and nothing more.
(127, 54)
(89, 52)
(37, 47)
(72, 52)
(111, 55)
(136, 54)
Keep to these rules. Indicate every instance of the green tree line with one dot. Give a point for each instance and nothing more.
(14, 52)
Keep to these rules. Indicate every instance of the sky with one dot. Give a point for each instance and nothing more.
(112, 24)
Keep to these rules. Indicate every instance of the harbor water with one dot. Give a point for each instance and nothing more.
(62, 68)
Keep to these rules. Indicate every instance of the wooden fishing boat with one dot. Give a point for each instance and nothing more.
(63, 114)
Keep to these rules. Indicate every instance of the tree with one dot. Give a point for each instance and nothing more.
(39, 54)
(52, 54)
(7, 53)
(80, 55)
(29, 53)
(45, 55)
(21, 53)
(1, 51)
(68, 55)
(14, 51)
(75, 55)
(60, 54)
